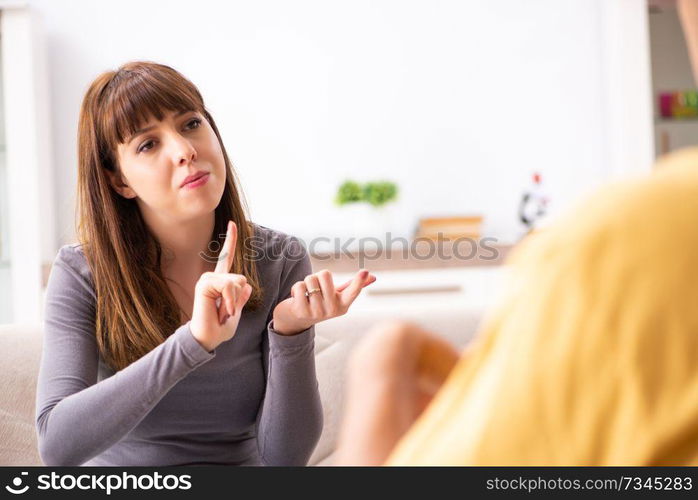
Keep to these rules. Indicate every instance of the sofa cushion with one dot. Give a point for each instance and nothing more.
(20, 351)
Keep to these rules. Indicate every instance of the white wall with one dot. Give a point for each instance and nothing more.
(628, 134)
(29, 187)
(457, 101)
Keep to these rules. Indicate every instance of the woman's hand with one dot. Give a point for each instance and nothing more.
(323, 301)
(219, 298)
(394, 372)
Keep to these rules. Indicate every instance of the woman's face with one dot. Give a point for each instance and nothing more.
(174, 168)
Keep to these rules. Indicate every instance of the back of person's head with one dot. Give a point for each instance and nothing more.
(590, 358)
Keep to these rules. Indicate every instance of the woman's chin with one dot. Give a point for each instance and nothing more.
(199, 206)
(200, 200)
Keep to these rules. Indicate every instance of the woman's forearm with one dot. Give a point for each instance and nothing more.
(76, 422)
(290, 422)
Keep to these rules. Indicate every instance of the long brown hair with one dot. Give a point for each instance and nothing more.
(135, 309)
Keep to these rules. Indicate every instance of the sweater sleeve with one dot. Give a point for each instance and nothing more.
(77, 418)
(290, 422)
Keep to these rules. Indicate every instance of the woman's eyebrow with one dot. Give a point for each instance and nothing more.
(151, 127)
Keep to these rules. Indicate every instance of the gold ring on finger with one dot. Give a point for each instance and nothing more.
(310, 292)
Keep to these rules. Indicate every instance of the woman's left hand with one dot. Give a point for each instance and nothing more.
(321, 302)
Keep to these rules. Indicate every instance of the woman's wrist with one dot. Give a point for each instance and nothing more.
(284, 329)
(208, 345)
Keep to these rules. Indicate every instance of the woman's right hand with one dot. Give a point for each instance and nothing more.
(219, 298)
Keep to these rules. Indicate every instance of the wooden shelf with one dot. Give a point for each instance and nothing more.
(672, 121)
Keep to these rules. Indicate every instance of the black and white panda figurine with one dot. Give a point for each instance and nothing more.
(533, 205)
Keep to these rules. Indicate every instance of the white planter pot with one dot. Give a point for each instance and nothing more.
(367, 223)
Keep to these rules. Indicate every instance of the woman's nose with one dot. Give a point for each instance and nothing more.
(184, 151)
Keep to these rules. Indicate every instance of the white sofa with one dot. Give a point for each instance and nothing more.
(20, 350)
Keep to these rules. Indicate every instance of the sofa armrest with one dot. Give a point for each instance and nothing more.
(20, 352)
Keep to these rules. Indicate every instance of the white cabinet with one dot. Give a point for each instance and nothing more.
(26, 214)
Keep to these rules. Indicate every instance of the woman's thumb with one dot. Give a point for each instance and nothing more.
(244, 296)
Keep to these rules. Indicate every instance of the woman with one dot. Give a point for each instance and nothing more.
(590, 359)
(176, 332)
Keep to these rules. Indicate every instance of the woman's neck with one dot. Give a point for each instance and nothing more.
(183, 243)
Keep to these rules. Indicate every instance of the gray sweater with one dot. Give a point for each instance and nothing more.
(253, 401)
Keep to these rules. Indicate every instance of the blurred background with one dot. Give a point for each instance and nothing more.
(470, 118)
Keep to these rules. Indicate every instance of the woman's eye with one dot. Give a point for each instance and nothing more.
(193, 122)
(191, 125)
(143, 146)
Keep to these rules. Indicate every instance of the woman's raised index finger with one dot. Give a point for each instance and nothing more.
(225, 258)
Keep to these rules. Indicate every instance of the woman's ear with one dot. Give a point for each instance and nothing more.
(117, 183)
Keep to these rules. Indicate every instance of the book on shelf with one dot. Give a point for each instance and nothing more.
(449, 228)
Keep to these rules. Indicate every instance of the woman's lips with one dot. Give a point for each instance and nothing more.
(197, 182)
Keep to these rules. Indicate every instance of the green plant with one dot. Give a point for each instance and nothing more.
(375, 193)
(379, 193)
(349, 192)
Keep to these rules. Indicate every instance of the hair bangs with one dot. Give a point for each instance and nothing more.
(136, 97)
